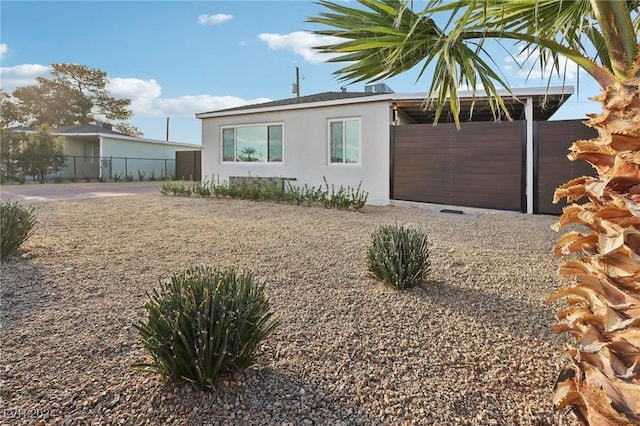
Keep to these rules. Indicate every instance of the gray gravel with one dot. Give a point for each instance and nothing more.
(472, 347)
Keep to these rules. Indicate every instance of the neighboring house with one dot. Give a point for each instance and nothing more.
(387, 142)
(96, 150)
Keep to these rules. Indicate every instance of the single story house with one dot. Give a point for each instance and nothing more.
(387, 142)
(96, 150)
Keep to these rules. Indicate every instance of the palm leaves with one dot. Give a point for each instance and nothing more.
(392, 39)
(389, 38)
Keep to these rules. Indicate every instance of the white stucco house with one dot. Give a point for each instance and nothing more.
(96, 150)
(387, 142)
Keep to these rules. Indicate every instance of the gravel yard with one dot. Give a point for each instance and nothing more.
(472, 347)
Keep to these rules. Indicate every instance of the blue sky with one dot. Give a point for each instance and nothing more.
(176, 59)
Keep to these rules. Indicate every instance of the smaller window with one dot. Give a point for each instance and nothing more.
(344, 141)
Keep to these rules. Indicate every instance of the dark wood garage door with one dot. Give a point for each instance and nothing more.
(553, 139)
(481, 165)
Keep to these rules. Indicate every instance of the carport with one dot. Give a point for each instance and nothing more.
(507, 165)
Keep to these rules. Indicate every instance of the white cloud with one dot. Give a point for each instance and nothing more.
(21, 75)
(146, 95)
(134, 88)
(4, 49)
(526, 65)
(188, 106)
(302, 43)
(214, 19)
(146, 100)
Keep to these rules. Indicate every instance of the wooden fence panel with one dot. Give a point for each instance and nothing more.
(553, 139)
(189, 165)
(478, 166)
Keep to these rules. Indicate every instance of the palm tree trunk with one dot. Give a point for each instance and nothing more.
(602, 261)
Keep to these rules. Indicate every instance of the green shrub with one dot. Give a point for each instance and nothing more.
(57, 179)
(344, 198)
(73, 179)
(202, 189)
(141, 174)
(398, 256)
(204, 322)
(16, 226)
(282, 191)
(129, 177)
(176, 188)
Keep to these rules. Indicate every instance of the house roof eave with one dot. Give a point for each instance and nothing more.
(255, 109)
(131, 138)
(514, 96)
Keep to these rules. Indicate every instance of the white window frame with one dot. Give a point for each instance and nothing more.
(237, 126)
(343, 121)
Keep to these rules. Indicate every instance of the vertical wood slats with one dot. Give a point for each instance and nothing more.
(478, 166)
(553, 139)
(189, 165)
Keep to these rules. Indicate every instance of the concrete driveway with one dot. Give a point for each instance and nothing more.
(32, 192)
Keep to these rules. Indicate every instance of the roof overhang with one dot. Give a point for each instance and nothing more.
(99, 135)
(260, 109)
(546, 101)
(473, 106)
(133, 139)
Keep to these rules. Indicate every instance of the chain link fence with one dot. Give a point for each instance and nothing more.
(104, 168)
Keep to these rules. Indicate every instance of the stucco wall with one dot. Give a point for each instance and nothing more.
(74, 147)
(79, 161)
(305, 148)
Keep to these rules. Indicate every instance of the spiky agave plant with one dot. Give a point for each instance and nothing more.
(383, 38)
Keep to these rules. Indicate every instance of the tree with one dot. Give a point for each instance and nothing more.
(9, 112)
(9, 141)
(41, 153)
(75, 94)
(385, 38)
(9, 147)
(128, 129)
(246, 154)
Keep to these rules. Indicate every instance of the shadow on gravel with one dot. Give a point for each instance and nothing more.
(518, 316)
(24, 291)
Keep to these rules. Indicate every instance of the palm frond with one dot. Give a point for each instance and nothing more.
(384, 38)
(391, 39)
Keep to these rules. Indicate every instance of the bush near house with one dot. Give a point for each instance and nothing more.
(16, 226)
(398, 256)
(204, 322)
(280, 190)
(41, 154)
